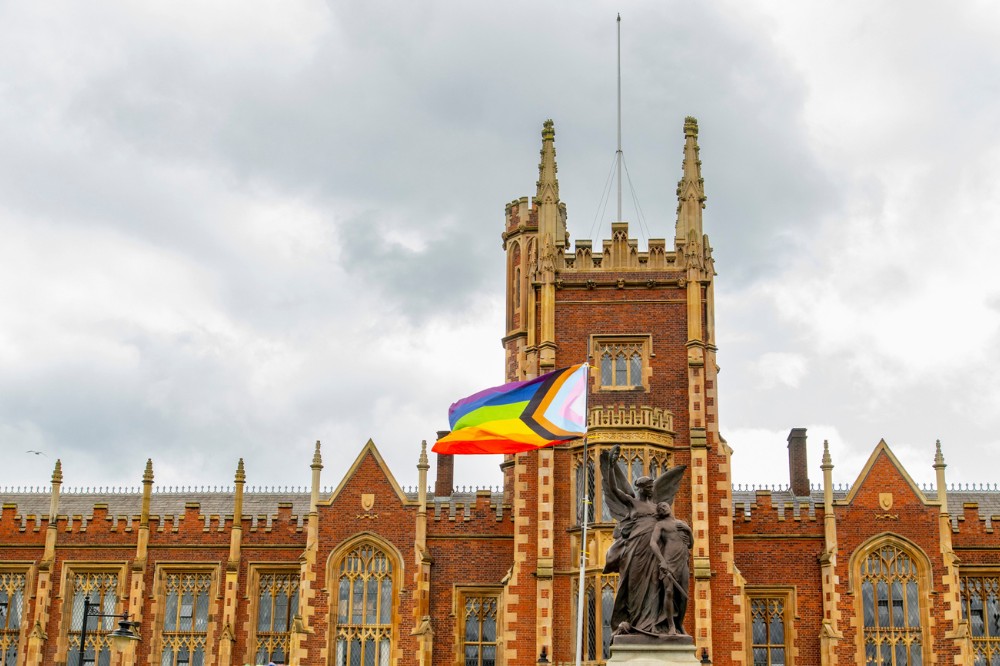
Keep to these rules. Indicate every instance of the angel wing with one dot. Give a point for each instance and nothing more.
(666, 485)
(612, 474)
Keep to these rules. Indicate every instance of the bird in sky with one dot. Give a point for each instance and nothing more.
(37, 453)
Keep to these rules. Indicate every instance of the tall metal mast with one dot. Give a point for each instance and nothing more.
(619, 153)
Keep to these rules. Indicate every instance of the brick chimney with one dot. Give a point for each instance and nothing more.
(798, 465)
(444, 481)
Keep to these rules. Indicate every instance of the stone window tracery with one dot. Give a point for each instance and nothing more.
(622, 362)
(598, 605)
(767, 631)
(185, 619)
(890, 606)
(981, 609)
(479, 638)
(102, 590)
(277, 605)
(12, 584)
(363, 632)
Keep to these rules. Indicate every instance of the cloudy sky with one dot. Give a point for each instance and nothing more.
(233, 228)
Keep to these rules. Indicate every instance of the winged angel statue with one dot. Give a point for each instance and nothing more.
(650, 552)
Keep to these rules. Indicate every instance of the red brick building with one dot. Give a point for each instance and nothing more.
(881, 572)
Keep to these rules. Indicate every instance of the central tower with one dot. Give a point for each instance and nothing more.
(644, 320)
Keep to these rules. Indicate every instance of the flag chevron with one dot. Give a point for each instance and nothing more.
(519, 416)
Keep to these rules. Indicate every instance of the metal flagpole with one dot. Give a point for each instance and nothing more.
(583, 557)
(583, 535)
(619, 153)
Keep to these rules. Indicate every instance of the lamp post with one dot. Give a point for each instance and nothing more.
(121, 637)
(704, 657)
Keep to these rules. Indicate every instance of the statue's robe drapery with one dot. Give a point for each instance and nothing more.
(639, 584)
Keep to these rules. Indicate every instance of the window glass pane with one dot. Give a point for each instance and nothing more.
(897, 603)
(357, 600)
(882, 589)
(471, 655)
(385, 602)
(621, 370)
(166, 659)
(471, 628)
(341, 652)
(912, 604)
(355, 652)
(201, 612)
(901, 654)
(370, 652)
(187, 611)
(489, 628)
(759, 630)
(760, 657)
(606, 377)
(489, 655)
(635, 371)
(264, 611)
(281, 611)
(383, 652)
(868, 603)
(777, 628)
(371, 601)
(344, 599)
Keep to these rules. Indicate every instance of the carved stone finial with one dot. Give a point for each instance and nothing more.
(827, 460)
(147, 474)
(938, 456)
(422, 462)
(691, 126)
(57, 472)
(317, 462)
(241, 476)
(548, 130)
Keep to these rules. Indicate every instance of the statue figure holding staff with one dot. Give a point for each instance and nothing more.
(650, 553)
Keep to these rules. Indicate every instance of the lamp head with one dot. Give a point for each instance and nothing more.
(124, 636)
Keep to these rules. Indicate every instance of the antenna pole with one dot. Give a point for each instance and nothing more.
(619, 153)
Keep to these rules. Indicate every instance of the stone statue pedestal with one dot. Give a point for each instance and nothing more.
(642, 651)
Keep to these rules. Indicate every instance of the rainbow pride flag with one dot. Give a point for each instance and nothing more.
(520, 416)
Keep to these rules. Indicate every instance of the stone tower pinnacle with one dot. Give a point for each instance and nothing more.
(691, 243)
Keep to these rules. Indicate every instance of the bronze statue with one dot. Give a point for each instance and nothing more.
(650, 553)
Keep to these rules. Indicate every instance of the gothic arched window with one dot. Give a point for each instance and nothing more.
(12, 584)
(981, 608)
(185, 619)
(890, 607)
(363, 633)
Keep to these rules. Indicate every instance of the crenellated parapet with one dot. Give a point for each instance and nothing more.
(619, 253)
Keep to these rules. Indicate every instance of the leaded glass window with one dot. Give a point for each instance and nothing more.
(277, 605)
(480, 638)
(185, 618)
(102, 590)
(890, 603)
(981, 609)
(767, 630)
(598, 604)
(11, 614)
(621, 364)
(364, 608)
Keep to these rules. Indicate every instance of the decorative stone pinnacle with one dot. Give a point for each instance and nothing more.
(422, 463)
(241, 476)
(147, 474)
(317, 462)
(691, 127)
(548, 130)
(938, 456)
(827, 460)
(57, 472)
